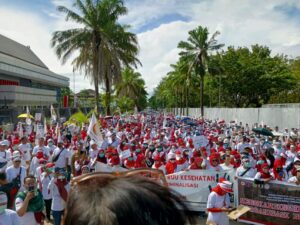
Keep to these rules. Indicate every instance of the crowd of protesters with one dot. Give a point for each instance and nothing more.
(35, 172)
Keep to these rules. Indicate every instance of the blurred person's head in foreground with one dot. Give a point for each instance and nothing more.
(125, 200)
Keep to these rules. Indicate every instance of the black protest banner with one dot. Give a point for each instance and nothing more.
(273, 203)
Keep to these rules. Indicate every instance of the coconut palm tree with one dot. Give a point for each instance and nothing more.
(195, 51)
(132, 85)
(104, 45)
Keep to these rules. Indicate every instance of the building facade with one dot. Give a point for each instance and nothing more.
(24, 79)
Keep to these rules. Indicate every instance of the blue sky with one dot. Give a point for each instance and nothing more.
(160, 25)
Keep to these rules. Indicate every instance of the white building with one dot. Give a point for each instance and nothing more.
(24, 79)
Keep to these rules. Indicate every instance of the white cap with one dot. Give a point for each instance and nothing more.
(171, 156)
(226, 186)
(92, 142)
(16, 156)
(5, 142)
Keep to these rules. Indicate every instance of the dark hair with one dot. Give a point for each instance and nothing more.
(29, 177)
(130, 200)
(3, 176)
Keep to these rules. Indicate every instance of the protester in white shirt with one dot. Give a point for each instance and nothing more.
(7, 216)
(60, 188)
(44, 181)
(35, 162)
(41, 147)
(295, 179)
(227, 163)
(60, 156)
(291, 154)
(93, 153)
(51, 148)
(30, 204)
(218, 203)
(245, 170)
(25, 150)
(16, 171)
(5, 157)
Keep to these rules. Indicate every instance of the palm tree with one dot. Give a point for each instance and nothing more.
(103, 43)
(132, 85)
(196, 54)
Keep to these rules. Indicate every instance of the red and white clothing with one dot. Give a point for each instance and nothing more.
(217, 201)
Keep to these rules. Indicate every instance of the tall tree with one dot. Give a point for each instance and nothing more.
(196, 52)
(132, 85)
(103, 43)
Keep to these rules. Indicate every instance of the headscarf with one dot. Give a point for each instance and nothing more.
(263, 174)
(277, 164)
(196, 165)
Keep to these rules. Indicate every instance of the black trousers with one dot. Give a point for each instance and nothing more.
(48, 203)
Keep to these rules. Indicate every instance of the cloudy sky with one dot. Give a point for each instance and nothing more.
(160, 25)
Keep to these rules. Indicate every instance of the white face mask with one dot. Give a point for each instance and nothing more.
(178, 157)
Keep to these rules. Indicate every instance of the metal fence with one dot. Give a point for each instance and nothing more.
(281, 117)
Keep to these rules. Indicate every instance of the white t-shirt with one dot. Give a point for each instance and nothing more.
(25, 152)
(61, 162)
(44, 149)
(13, 172)
(218, 201)
(9, 217)
(5, 156)
(249, 174)
(293, 180)
(44, 181)
(224, 167)
(58, 204)
(28, 218)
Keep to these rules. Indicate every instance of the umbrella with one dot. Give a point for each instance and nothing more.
(24, 115)
(184, 119)
(262, 131)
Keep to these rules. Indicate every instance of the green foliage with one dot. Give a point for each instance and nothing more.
(249, 77)
(104, 44)
(195, 52)
(235, 77)
(78, 118)
(125, 104)
(132, 86)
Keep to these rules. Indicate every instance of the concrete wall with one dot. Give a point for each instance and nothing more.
(281, 117)
(25, 96)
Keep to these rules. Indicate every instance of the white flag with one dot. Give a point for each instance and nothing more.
(59, 140)
(56, 130)
(94, 130)
(135, 110)
(45, 126)
(53, 113)
(165, 121)
(20, 129)
(28, 119)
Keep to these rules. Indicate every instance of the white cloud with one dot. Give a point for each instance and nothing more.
(241, 23)
(30, 29)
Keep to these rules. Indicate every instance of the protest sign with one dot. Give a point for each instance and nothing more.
(194, 185)
(39, 131)
(273, 203)
(38, 117)
(125, 154)
(28, 129)
(200, 141)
